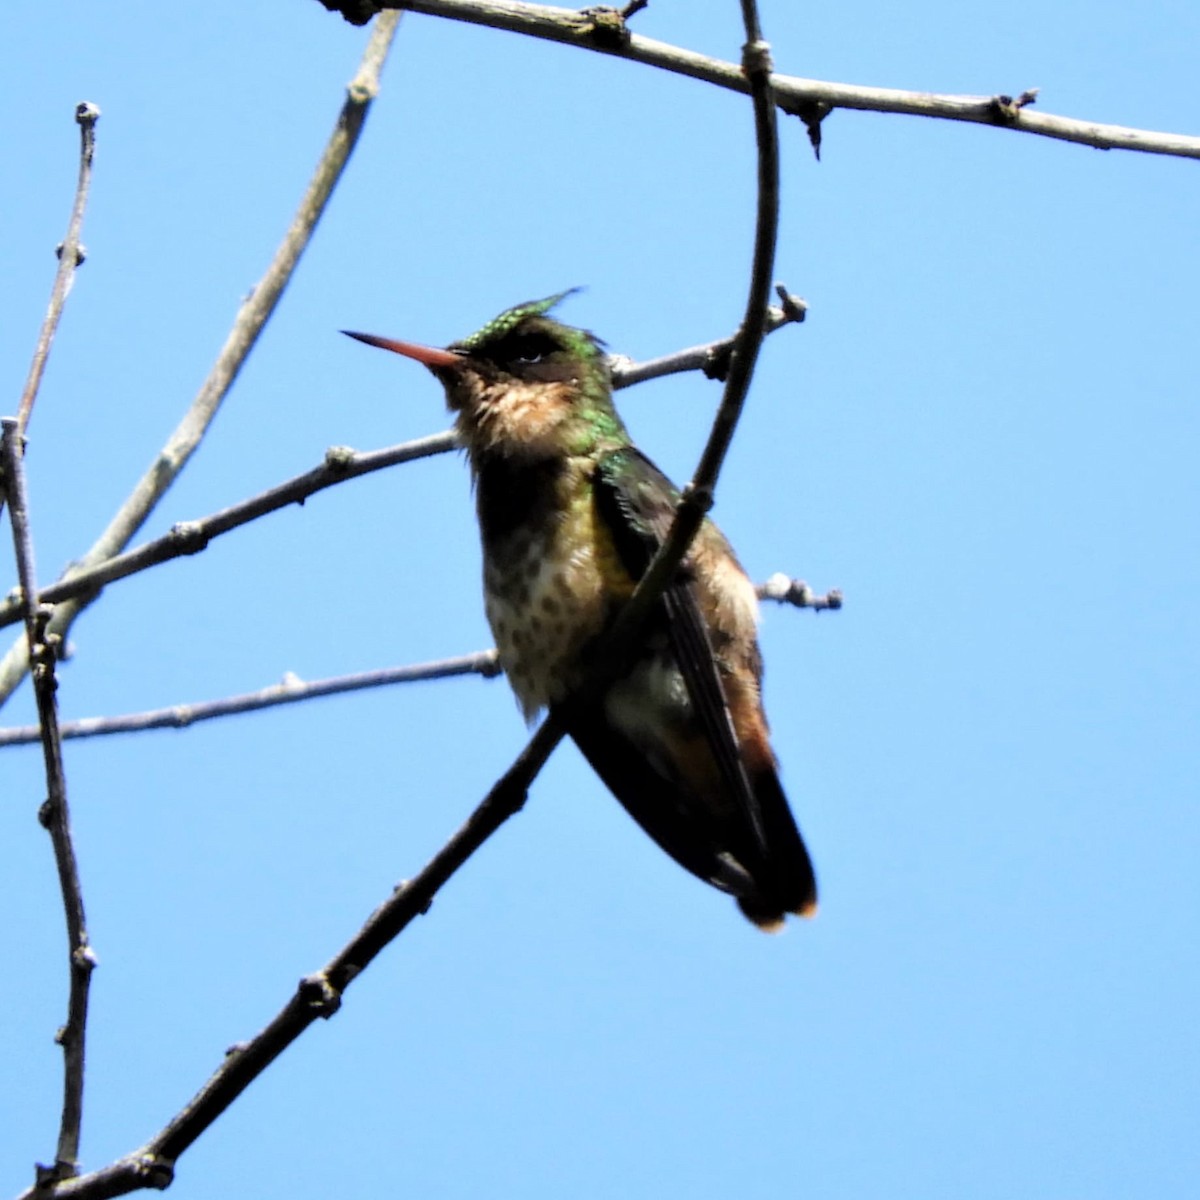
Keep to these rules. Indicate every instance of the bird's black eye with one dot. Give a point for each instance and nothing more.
(523, 350)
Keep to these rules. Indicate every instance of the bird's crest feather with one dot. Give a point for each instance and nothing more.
(510, 318)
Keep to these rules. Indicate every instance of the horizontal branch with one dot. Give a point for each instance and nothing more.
(70, 258)
(808, 99)
(785, 590)
(290, 690)
(712, 358)
(83, 582)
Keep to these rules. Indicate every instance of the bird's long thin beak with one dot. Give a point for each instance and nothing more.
(429, 355)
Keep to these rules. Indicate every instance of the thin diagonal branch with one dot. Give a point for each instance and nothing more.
(290, 690)
(54, 814)
(191, 537)
(318, 996)
(70, 256)
(251, 318)
(808, 99)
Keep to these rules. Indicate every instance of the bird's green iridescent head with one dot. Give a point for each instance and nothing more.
(527, 343)
(525, 385)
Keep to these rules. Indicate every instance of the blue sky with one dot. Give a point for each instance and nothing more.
(986, 434)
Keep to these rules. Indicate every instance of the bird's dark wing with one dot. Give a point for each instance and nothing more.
(637, 503)
(736, 830)
(662, 805)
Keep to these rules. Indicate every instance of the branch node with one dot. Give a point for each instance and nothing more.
(154, 1171)
(793, 307)
(46, 1177)
(354, 12)
(340, 458)
(756, 59)
(697, 496)
(188, 537)
(717, 360)
(80, 253)
(182, 716)
(812, 113)
(605, 27)
(406, 889)
(83, 958)
(411, 888)
(1005, 110)
(44, 652)
(319, 995)
(785, 590)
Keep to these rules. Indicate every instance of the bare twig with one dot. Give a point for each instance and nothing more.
(756, 63)
(779, 587)
(783, 590)
(54, 814)
(342, 463)
(712, 358)
(190, 537)
(290, 690)
(251, 318)
(795, 95)
(70, 256)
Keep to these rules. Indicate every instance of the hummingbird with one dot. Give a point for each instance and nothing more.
(571, 513)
